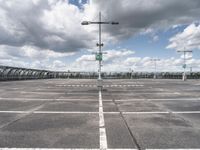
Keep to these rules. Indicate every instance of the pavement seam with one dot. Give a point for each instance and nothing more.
(31, 111)
(171, 113)
(127, 126)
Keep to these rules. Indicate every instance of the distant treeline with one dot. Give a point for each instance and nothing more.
(13, 73)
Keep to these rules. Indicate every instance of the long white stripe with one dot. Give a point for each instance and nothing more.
(48, 112)
(43, 99)
(72, 149)
(101, 116)
(102, 130)
(47, 149)
(176, 149)
(164, 112)
(163, 99)
(103, 138)
(161, 112)
(186, 112)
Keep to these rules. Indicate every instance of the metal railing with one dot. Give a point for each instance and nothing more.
(14, 73)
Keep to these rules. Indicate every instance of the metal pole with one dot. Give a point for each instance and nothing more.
(99, 54)
(184, 61)
(155, 76)
(184, 77)
(99, 45)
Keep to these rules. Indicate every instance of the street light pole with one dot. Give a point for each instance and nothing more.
(99, 54)
(155, 65)
(184, 77)
(100, 44)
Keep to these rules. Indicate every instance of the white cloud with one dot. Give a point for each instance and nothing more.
(189, 39)
(28, 52)
(144, 15)
(39, 33)
(124, 60)
(46, 24)
(55, 24)
(111, 55)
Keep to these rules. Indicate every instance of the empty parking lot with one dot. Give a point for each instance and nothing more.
(74, 114)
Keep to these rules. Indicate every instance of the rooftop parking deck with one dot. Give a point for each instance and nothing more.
(126, 114)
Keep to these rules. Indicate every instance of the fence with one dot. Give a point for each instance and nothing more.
(14, 73)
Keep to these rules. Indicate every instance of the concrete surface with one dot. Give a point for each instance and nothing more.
(65, 113)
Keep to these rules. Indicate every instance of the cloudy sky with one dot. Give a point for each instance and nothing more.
(47, 34)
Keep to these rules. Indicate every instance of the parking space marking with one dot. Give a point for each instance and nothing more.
(90, 149)
(43, 99)
(161, 112)
(89, 85)
(77, 85)
(63, 149)
(102, 130)
(176, 149)
(101, 113)
(163, 99)
(48, 112)
(164, 112)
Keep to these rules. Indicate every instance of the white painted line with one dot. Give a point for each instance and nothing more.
(161, 112)
(47, 149)
(103, 138)
(102, 130)
(175, 99)
(129, 100)
(15, 112)
(75, 99)
(25, 99)
(121, 149)
(72, 149)
(111, 112)
(101, 120)
(164, 99)
(41, 99)
(176, 149)
(48, 112)
(101, 116)
(177, 93)
(149, 93)
(63, 112)
(164, 112)
(52, 93)
(186, 112)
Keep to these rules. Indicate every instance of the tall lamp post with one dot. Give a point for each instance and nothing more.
(155, 66)
(184, 76)
(99, 54)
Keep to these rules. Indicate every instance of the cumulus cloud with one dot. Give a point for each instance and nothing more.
(55, 24)
(29, 52)
(189, 39)
(122, 61)
(139, 15)
(39, 33)
(47, 24)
